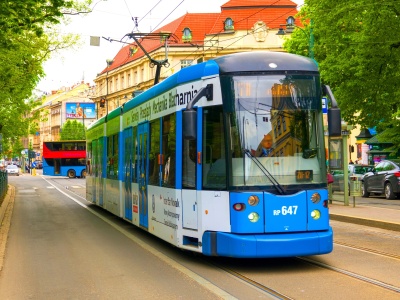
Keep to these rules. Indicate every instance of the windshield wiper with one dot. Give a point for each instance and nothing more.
(265, 171)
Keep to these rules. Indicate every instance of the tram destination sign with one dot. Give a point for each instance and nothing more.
(304, 175)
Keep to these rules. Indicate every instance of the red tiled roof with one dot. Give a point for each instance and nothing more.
(245, 19)
(255, 3)
(244, 13)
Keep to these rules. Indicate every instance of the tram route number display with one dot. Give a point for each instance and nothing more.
(286, 210)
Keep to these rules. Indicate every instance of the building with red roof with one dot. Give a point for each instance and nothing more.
(242, 25)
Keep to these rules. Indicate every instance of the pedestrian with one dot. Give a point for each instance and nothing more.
(351, 162)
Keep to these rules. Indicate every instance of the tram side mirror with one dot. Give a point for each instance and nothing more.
(189, 124)
(334, 117)
(189, 118)
(334, 122)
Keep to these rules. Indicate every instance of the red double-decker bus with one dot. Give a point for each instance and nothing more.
(64, 158)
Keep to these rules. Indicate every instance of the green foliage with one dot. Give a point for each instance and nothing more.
(358, 51)
(73, 130)
(27, 38)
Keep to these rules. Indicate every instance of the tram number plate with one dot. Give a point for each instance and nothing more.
(304, 175)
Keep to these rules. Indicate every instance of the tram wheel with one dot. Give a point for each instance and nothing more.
(83, 174)
(71, 174)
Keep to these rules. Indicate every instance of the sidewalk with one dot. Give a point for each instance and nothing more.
(384, 218)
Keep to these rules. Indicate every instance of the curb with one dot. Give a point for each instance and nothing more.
(5, 203)
(366, 222)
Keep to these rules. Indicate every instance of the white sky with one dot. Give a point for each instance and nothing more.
(113, 19)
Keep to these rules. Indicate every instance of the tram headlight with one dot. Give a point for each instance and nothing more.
(253, 217)
(315, 214)
(253, 200)
(315, 198)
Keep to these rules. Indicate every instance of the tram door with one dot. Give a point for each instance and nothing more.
(127, 176)
(143, 167)
(94, 173)
(100, 156)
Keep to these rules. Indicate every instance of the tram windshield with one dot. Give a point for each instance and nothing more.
(276, 131)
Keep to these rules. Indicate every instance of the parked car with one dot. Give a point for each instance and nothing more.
(384, 178)
(355, 172)
(37, 164)
(12, 170)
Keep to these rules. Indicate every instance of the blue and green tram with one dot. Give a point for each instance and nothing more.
(224, 158)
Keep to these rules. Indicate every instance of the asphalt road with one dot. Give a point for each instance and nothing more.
(58, 250)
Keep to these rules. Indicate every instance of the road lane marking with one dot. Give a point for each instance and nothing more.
(200, 280)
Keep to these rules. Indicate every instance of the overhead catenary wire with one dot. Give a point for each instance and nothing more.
(237, 39)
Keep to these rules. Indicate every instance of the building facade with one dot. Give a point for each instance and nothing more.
(242, 25)
(72, 103)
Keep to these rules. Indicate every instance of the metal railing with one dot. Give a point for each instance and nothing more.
(3, 185)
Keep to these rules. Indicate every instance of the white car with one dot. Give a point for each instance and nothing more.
(12, 170)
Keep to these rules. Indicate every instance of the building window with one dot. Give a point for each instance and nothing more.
(290, 21)
(187, 35)
(290, 24)
(228, 24)
(122, 82)
(186, 63)
(129, 80)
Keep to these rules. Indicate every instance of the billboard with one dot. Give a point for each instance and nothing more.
(81, 110)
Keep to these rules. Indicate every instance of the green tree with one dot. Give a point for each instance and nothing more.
(35, 16)
(358, 53)
(27, 39)
(73, 130)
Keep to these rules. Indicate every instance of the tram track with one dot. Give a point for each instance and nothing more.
(271, 292)
(351, 274)
(368, 250)
(262, 288)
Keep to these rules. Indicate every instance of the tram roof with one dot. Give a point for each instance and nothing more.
(192, 73)
(267, 61)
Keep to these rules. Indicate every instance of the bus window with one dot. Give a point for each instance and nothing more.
(154, 151)
(169, 151)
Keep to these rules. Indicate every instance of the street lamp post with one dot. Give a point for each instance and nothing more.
(310, 36)
(104, 100)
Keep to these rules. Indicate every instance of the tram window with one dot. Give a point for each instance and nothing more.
(214, 167)
(89, 156)
(189, 164)
(112, 156)
(134, 155)
(154, 151)
(169, 151)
